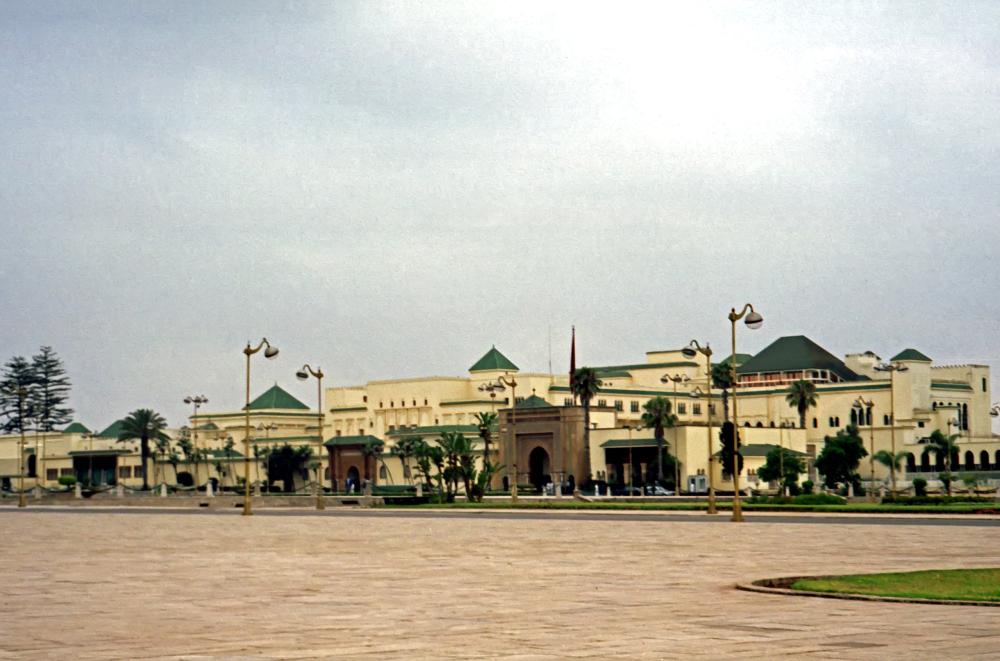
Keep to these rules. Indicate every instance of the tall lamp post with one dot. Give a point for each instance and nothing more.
(196, 401)
(690, 351)
(892, 368)
(302, 375)
(267, 429)
(753, 320)
(269, 353)
(676, 378)
(864, 405)
(501, 384)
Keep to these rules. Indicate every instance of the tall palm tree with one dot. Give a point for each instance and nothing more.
(892, 462)
(404, 449)
(585, 385)
(944, 444)
(722, 378)
(143, 424)
(801, 395)
(657, 414)
(486, 422)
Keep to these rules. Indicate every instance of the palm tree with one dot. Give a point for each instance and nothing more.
(486, 421)
(372, 449)
(657, 414)
(162, 448)
(722, 378)
(892, 462)
(404, 449)
(944, 444)
(143, 424)
(802, 396)
(585, 385)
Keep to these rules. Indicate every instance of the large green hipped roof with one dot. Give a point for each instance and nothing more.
(793, 353)
(911, 354)
(494, 361)
(76, 428)
(276, 398)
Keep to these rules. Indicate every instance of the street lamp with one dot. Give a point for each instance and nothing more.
(302, 375)
(501, 384)
(676, 378)
(862, 405)
(892, 368)
(753, 320)
(196, 401)
(269, 353)
(690, 351)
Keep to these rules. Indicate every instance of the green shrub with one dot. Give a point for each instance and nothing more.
(67, 480)
(920, 486)
(936, 500)
(807, 487)
(818, 499)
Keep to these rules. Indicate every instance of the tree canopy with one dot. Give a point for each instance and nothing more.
(839, 459)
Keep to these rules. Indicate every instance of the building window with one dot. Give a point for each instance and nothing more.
(619, 405)
(137, 472)
(567, 401)
(815, 423)
(885, 420)
(831, 422)
(518, 400)
(65, 472)
(682, 408)
(984, 384)
(696, 409)
(380, 405)
(336, 432)
(634, 407)
(602, 402)
(51, 473)
(392, 428)
(425, 401)
(711, 409)
(382, 473)
(124, 471)
(364, 398)
(920, 424)
(392, 404)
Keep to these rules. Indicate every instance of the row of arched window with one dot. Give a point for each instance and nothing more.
(934, 461)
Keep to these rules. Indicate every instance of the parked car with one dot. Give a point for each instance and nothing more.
(657, 490)
(627, 491)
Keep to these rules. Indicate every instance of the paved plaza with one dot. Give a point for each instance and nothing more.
(373, 585)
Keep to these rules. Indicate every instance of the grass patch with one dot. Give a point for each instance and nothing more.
(950, 584)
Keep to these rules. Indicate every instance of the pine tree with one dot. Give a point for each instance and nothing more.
(51, 390)
(17, 374)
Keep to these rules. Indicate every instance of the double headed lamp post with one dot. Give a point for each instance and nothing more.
(302, 375)
(676, 378)
(690, 351)
(865, 406)
(269, 353)
(753, 320)
(501, 384)
(196, 401)
(892, 368)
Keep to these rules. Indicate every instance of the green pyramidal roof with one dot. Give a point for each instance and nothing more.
(533, 402)
(493, 361)
(75, 428)
(276, 398)
(797, 352)
(112, 430)
(911, 354)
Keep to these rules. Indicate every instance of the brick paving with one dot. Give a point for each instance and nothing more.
(100, 585)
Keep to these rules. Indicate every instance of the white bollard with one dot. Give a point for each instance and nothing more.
(38, 492)
(209, 493)
(120, 491)
(163, 490)
(77, 491)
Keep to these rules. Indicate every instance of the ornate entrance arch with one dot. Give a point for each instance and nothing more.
(539, 467)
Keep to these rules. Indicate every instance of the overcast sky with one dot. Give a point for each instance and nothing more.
(387, 189)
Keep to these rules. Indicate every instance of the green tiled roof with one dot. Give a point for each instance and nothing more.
(353, 440)
(96, 453)
(740, 359)
(533, 402)
(493, 361)
(763, 449)
(794, 353)
(276, 398)
(643, 366)
(634, 443)
(607, 373)
(911, 354)
(112, 430)
(220, 453)
(434, 430)
(208, 426)
(948, 385)
(75, 428)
